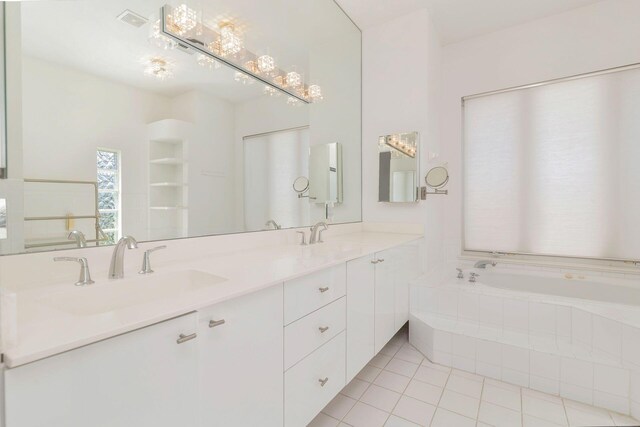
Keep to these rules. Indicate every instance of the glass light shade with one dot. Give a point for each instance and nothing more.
(230, 42)
(315, 93)
(185, 18)
(294, 79)
(266, 64)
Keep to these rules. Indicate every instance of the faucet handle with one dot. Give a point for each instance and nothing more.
(85, 275)
(304, 238)
(146, 259)
(460, 274)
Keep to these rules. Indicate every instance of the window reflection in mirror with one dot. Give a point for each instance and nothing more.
(96, 75)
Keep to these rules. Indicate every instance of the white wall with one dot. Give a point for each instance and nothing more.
(401, 85)
(210, 161)
(67, 115)
(591, 38)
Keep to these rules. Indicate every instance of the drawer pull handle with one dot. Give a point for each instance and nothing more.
(184, 338)
(323, 329)
(375, 261)
(380, 260)
(323, 382)
(323, 290)
(214, 323)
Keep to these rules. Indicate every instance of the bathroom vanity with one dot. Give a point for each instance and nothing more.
(270, 346)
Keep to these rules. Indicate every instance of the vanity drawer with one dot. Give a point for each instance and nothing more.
(304, 393)
(307, 334)
(309, 293)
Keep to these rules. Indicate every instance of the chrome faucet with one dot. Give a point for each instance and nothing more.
(85, 275)
(316, 232)
(460, 273)
(78, 236)
(116, 271)
(472, 279)
(272, 223)
(483, 264)
(146, 260)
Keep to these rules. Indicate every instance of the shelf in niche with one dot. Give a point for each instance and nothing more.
(168, 208)
(167, 184)
(167, 161)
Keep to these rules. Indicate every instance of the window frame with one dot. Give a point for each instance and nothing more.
(622, 264)
(118, 191)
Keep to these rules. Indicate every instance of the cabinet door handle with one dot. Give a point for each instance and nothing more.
(214, 323)
(375, 261)
(323, 381)
(323, 290)
(184, 338)
(380, 260)
(323, 329)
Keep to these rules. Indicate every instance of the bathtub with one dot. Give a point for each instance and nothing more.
(569, 334)
(566, 285)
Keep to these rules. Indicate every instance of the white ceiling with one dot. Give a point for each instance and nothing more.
(457, 20)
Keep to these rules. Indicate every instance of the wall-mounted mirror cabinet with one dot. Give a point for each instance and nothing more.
(177, 120)
(399, 167)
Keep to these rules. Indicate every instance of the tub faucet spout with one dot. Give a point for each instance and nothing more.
(483, 264)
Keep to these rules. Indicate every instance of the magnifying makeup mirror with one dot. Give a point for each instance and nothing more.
(301, 186)
(437, 178)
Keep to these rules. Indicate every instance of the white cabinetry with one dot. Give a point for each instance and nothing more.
(144, 378)
(240, 357)
(360, 314)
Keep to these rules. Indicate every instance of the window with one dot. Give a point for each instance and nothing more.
(109, 184)
(552, 169)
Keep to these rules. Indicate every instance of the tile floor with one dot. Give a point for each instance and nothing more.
(401, 388)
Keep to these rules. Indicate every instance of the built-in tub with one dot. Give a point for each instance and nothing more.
(568, 285)
(570, 334)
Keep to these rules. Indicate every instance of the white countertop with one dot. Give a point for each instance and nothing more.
(33, 329)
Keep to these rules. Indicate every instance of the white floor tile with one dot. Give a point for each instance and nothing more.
(339, 406)
(431, 375)
(498, 416)
(580, 414)
(423, 391)
(402, 367)
(414, 410)
(544, 409)
(395, 382)
(368, 373)
(409, 354)
(363, 415)
(459, 403)
(390, 349)
(468, 375)
(506, 397)
(380, 361)
(464, 385)
(540, 395)
(501, 384)
(426, 362)
(380, 398)
(529, 421)
(623, 420)
(395, 421)
(444, 418)
(323, 420)
(355, 389)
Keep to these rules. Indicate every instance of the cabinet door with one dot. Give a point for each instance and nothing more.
(360, 314)
(385, 298)
(143, 378)
(241, 361)
(407, 269)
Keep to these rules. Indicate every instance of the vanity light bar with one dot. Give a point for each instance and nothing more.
(395, 143)
(207, 42)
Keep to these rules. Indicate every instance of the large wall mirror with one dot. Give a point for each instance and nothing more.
(176, 120)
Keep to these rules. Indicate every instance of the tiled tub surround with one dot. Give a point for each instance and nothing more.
(583, 350)
(248, 262)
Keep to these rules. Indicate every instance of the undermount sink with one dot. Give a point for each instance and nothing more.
(118, 294)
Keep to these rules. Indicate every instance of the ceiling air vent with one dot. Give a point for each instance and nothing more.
(132, 18)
